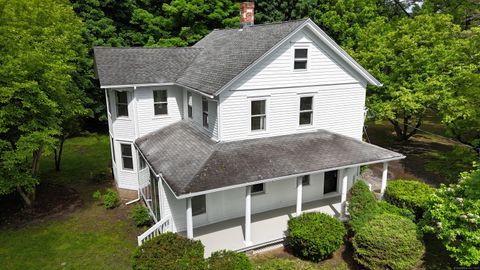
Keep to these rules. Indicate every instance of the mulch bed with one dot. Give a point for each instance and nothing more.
(51, 201)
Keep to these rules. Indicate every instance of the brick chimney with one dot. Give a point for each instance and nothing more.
(246, 14)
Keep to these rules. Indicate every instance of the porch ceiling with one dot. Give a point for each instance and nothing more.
(190, 162)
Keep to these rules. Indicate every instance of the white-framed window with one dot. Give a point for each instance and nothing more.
(257, 189)
(189, 105)
(205, 112)
(199, 205)
(306, 111)
(300, 59)
(122, 103)
(330, 183)
(160, 103)
(305, 180)
(258, 115)
(127, 159)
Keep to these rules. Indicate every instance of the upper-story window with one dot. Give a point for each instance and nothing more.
(205, 111)
(122, 103)
(160, 103)
(306, 111)
(190, 104)
(127, 158)
(300, 59)
(258, 115)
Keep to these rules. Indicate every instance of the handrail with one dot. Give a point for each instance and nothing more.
(164, 225)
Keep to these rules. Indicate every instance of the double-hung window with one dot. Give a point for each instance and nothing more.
(199, 205)
(300, 59)
(190, 105)
(205, 112)
(122, 104)
(160, 103)
(127, 158)
(306, 111)
(258, 115)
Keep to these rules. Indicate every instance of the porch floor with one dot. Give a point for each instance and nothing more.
(266, 226)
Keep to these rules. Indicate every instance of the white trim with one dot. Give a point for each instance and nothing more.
(281, 178)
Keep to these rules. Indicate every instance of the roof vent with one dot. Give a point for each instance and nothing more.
(246, 14)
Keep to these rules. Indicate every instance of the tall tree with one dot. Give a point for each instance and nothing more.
(415, 59)
(41, 47)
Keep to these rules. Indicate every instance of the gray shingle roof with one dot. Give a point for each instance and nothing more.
(191, 162)
(125, 66)
(207, 66)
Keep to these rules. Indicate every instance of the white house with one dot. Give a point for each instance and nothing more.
(229, 138)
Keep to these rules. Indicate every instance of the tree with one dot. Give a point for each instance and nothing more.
(415, 59)
(41, 47)
(453, 216)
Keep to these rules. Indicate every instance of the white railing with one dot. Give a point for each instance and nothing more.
(164, 225)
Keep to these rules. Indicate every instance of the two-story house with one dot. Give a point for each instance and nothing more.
(229, 138)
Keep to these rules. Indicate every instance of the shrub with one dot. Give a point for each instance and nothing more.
(224, 259)
(315, 236)
(169, 251)
(140, 216)
(110, 199)
(409, 194)
(97, 195)
(362, 204)
(388, 242)
(453, 216)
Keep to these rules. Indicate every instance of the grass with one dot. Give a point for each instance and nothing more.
(89, 238)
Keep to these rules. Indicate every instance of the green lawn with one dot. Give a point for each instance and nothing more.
(89, 238)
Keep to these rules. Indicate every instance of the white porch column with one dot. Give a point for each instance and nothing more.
(248, 217)
(189, 219)
(299, 195)
(343, 198)
(384, 178)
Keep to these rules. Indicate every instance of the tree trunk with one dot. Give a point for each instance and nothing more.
(58, 156)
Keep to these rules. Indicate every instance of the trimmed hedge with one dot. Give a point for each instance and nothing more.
(388, 242)
(409, 194)
(315, 236)
(169, 251)
(226, 259)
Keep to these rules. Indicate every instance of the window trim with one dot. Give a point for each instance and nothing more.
(300, 59)
(131, 157)
(258, 192)
(264, 115)
(205, 123)
(119, 103)
(204, 210)
(300, 111)
(160, 102)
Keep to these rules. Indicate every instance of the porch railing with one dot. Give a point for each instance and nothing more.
(164, 225)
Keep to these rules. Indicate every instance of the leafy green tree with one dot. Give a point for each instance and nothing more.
(41, 47)
(415, 59)
(454, 217)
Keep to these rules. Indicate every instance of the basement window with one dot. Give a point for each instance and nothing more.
(306, 111)
(127, 158)
(160, 103)
(199, 205)
(122, 104)
(300, 59)
(258, 189)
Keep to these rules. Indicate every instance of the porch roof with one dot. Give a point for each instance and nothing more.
(191, 163)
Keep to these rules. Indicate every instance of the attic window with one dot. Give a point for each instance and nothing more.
(300, 59)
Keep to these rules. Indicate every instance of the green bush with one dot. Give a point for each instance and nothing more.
(97, 196)
(169, 251)
(362, 205)
(315, 236)
(140, 216)
(224, 259)
(388, 241)
(110, 199)
(409, 194)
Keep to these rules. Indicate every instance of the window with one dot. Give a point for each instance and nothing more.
(305, 180)
(190, 104)
(199, 205)
(330, 183)
(205, 111)
(141, 162)
(160, 104)
(258, 115)
(127, 156)
(306, 111)
(258, 189)
(113, 148)
(122, 104)
(300, 61)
